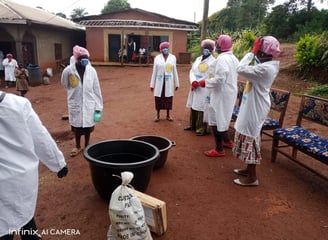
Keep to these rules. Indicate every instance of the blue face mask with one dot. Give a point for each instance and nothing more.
(84, 61)
(165, 51)
(206, 52)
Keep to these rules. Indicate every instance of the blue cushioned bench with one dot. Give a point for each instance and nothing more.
(279, 101)
(300, 138)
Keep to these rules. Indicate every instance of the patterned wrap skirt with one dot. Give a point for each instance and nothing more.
(247, 149)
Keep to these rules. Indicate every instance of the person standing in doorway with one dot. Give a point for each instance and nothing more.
(255, 105)
(164, 80)
(132, 48)
(9, 64)
(223, 89)
(85, 103)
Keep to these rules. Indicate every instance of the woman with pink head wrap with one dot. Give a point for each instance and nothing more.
(163, 45)
(84, 97)
(164, 80)
(197, 96)
(80, 51)
(255, 105)
(270, 46)
(222, 87)
(224, 43)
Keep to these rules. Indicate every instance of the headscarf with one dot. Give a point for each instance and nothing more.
(164, 45)
(208, 42)
(9, 55)
(79, 51)
(270, 46)
(225, 42)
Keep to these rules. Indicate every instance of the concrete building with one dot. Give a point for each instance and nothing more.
(107, 33)
(36, 36)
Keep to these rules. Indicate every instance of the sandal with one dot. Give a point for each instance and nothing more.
(214, 153)
(241, 172)
(169, 119)
(75, 151)
(228, 144)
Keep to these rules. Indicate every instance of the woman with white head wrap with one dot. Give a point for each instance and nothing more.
(197, 96)
(83, 96)
(164, 80)
(255, 105)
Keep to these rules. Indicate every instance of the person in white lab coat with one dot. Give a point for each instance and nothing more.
(255, 105)
(9, 64)
(197, 96)
(84, 99)
(164, 80)
(223, 88)
(24, 142)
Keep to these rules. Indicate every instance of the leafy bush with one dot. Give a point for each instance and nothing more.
(321, 91)
(243, 43)
(311, 52)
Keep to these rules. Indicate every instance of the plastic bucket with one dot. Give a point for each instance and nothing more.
(108, 158)
(34, 75)
(163, 144)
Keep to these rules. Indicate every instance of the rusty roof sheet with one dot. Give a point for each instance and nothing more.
(15, 13)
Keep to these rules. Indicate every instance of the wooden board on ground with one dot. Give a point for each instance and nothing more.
(155, 213)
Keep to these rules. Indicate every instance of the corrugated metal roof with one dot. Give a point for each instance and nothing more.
(119, 19)
(15, 13)
(108, 23)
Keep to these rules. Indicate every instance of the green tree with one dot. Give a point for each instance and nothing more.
(115, 5)
(78, 12)
(239, 15)
(278, 22)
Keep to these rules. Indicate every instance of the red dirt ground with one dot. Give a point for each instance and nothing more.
(202, 201)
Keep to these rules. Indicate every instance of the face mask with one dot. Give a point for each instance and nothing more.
(84, 61)
(165, 51)
(206, 52)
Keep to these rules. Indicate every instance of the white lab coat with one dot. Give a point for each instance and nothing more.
(199, 70)
(84, 99)
(256, 103)
(9, 68)
(223, 90)
(24, 141)
(168, 69)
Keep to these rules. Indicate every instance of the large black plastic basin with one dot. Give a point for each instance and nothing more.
(108, 158)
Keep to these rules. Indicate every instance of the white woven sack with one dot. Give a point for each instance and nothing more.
(126, 213)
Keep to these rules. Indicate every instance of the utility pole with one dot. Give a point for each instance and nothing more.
(205, 20)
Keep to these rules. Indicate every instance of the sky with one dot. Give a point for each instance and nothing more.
(188, 10)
